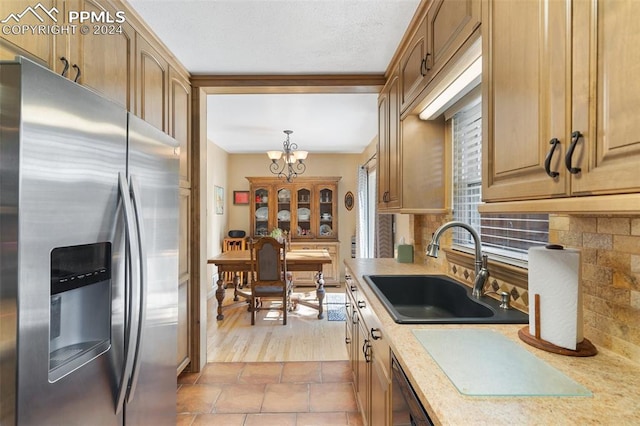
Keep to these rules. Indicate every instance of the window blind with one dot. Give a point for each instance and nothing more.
(504, 235)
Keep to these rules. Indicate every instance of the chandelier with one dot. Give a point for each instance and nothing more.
(292, 163)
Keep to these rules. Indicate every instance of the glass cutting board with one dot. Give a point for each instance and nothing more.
(486, 363)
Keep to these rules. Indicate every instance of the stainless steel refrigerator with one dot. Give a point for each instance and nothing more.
(88, 257)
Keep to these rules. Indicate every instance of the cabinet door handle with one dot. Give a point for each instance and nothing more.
(366, 350)
(547, 161)
(78, 73)
(423, 67)
(426, 64)
(66, 66)
(575, 136)
(361, 304)
(353, 288)
(347, 340)
(376, 334)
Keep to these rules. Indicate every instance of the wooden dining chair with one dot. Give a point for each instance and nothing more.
(233, 244)
(269, 276)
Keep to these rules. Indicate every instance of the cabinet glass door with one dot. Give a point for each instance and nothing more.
(283, 219)
(261, 209)
(326, 213)
(304, 213)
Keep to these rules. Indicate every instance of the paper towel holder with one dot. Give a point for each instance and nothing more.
(583, 348)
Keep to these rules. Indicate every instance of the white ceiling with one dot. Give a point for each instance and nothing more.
(255, 37)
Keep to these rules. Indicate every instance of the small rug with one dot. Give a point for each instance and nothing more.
(335, 307)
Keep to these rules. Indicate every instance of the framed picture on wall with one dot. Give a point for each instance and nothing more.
(240, 197)
(219, 199)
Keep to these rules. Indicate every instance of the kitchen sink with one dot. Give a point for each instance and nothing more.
(438, 299)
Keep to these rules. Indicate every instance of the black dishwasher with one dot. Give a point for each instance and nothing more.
(406, 407)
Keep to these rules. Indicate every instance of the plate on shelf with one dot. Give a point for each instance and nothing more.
(284, 215)
(284, 195)
(304, 213)
(325, 230)
(262, 213)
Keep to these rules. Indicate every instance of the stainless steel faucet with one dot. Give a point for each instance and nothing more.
(482, 273)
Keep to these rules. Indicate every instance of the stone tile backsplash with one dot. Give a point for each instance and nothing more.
(610, 273)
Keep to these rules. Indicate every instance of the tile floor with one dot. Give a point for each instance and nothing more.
(269, 393)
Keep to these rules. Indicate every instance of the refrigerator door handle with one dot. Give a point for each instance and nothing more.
(137, 208)
(130, 336)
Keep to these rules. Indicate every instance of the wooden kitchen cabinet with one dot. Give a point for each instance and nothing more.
(369, 354)
(411, 159)
(39, 48)
(179, 121)
(517, 129)
(443, 30)
(413, 66)
(152, 71)
(576, 83)
(99, 59)
(389, 147)
(103, 55)
(606, 99)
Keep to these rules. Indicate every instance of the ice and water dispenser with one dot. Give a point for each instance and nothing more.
(80, 313)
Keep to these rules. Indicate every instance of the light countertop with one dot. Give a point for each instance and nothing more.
(613, 380)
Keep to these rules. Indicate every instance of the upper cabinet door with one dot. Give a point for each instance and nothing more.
(283, 215)
(327, 215)
(103, 54)
(304, 215)
(606, 97)
(413, 66)
(261, 225)
(449, 23)
(526, 68)
(39, 48)
(179, 121)
(151, 87)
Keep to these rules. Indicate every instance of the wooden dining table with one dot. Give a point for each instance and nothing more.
(297, 260)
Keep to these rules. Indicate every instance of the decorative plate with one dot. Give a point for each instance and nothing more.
(348, 200)
(284, 215)
(325, 230)
(262, 213)
(304, 213)
(284, 195)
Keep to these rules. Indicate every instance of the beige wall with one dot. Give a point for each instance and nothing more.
(217, 167)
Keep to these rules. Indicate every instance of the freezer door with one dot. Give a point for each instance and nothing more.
(153, 179)
(68, 152)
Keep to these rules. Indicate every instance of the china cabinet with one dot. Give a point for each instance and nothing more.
(306, 208)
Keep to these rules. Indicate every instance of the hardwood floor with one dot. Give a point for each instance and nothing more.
(304, 338)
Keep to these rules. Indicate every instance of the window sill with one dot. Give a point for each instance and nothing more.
(502, 271)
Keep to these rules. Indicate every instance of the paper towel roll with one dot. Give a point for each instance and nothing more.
(555, 275)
